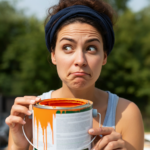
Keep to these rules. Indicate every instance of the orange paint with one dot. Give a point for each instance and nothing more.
(63, 103)
(45, 116)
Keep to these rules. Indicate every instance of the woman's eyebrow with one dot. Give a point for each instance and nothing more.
(91, 40)
(72, 40)
(68, 39)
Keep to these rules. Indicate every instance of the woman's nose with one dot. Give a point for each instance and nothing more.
(80, 59)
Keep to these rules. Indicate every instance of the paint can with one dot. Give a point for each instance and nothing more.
(62, 124)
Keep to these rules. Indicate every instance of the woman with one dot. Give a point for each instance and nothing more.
(80, 36)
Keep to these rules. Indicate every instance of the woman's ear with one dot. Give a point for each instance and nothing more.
(105, 58)
(53, 57)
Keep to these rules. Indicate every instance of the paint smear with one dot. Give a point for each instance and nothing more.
(45, 116)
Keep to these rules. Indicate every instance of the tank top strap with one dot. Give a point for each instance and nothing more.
(46, 95)
(110, 117)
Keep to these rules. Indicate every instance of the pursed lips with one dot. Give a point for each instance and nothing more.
(79, 73)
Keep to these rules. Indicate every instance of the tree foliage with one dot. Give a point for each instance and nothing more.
(118, 5)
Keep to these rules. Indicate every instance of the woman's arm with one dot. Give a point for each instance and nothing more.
(11, 143)
(130, 124)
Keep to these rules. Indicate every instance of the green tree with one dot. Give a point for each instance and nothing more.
(118, 5)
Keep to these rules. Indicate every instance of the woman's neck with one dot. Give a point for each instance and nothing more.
(89, 93)
(78, 93)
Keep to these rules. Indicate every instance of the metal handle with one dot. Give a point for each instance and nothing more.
(94, 113)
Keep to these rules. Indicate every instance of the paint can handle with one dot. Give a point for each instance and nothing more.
(25, 134)
(94, 113)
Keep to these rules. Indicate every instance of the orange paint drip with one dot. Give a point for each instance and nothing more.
(44, 117)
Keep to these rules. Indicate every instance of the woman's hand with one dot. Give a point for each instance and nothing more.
(111, 140)
(15, 122)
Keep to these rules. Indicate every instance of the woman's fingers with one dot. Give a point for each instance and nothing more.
(109, 136)
(12, 120)
(20, 109)
(21, 105)
(17, 109)
(115, 145)
(105, 141)
(101, 131)
(26, 100)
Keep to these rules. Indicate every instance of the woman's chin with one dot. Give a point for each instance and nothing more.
(78, 85)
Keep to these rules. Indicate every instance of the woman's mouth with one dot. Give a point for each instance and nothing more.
(80, 74)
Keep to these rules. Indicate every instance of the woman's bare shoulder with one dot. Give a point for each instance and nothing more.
(127, 112)
(129, 122)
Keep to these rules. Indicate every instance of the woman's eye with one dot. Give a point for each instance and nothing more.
(91, 48)
(67, 48)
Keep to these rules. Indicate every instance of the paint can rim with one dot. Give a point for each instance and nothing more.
(88, 104)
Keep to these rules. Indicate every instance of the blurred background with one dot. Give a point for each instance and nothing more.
(26, 68)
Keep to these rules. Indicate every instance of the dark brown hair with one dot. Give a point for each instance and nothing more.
(98, 5)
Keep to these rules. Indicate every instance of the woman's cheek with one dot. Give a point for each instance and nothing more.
(62, 68)
(96, 67)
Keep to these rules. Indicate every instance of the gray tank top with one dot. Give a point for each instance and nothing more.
(110, 117)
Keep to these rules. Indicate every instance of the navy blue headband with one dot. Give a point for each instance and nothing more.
(79, 11)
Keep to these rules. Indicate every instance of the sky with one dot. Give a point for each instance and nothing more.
(39, 7)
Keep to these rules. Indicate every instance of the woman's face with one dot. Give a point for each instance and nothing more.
(79, 55)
